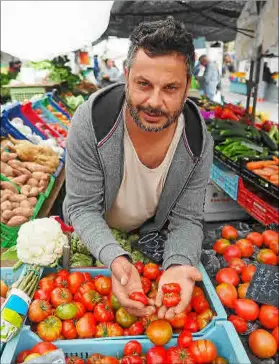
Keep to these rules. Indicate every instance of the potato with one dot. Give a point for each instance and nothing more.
(20, 180)
(17, 220)
(33, 192)
(17, 198)
(5, 195)
(2, 220)
(25, 204)
(6, 156)
(15, 163)
(25, 190)
(32, 182)
(15, 205)
(21, 211)
(38, 175)
(7, 214)
(6, 206)
(9, 186)
(22, 171)
(6, 170)
(32, 201)
(34, 167)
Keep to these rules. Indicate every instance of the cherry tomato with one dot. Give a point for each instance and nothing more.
(184, 339)
(199, 303)
(156, 355)
(132, 347)
(221, 245)
(248, 273)
(59, 296)
(247, 309)
(242, 290)
(103, 285)
(146, 284)
(269, 316)
(171, 299)
(227, 294)
(136, 329)
(255, 238)
(159, 332)
(267, 256)
(237, 264)
(227, 275)
(246, 248)
(239, 323)
(268, 236)
(204, 351)
(139, 267)
(69, 329)
(262, 344)
(41, 294)
(151, 271)
(171, 288)
(140, 297)
(232, 252)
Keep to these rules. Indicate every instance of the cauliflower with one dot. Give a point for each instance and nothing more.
(41, 242)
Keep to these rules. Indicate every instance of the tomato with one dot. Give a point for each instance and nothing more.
(269, 316)
(66, 311)
(262, 344)
(86, 286)
(177, 355)
(94, 358)
(132, 347)
(268, 236)
(90, 299)
(246, 248)
(108, 329)
(124, 319)
(69, 329)
(274, 246)
(146, 320)
(171, 288)
(50, 328)
(39, 310)
(74, 360)
(267, 256)
(255, 238)
(197, 291)
(221, 245)
(114, 302)
(248, 273)
(51, 276)
(237, 264)
(109, 360)
(136, 329)
(80, 310)
(140, 297)
(47, 284)
(156, 355)
(193, 315)
(59, 296)
(159, 332)
(103, 285)
(229, 232)
(31, 357)
(60, 281)
(151, 271)
(178, 321)
(87, 277)
(247, 309)
(275, 334)
(139, 267)
(199, 303)
(184, 339)
(242, 290)
(227, 275)
(41, 294)
(146, 284)
(126, 332)
(75, 279)
(63, 273)
(227, 294)
(204, 351)
(204, 318)
(171, 299)
(232, 251)
(132, 359)
(22, 356)
(86, 326)
(239, 323)
(191, 325)
(103, 313)
(220, 360)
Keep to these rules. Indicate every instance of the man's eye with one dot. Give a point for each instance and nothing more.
(171, 87)
(143, 83)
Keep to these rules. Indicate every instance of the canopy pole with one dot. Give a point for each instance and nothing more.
(257, 80)
(250, 85)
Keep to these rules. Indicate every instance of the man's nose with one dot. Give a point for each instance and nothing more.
(155, 99)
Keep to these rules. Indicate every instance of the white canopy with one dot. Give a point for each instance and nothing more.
(37, 30)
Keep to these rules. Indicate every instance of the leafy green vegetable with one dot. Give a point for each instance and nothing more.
(81, 260)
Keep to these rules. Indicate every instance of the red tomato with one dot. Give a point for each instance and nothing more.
(262, 344)
(232, 251)
(103, 285)
(136, 329)
(86, 286)
(177, 355)
(94, 358)
(22, 356)
(151, 271)
(103, 313)
(41, 294)
(140, 267)
(199, 304)
(156, 355)
(159, 332)
(197, 291)
(229, 233)
(242, 290)
(126, 332)
(51, 276)
(62, 282)
(108, 329)
(237, 264)
(269, 316)
(255, 238)
(204, 318)
(146, 320)
(171, 299)
(81, 310)
(204, 351)
(132, 347)
(47, 284)
(50, 328)
(275, 334)
(59, 296)
(246, 248)
(193, 315)
(69, 329)
(87, 277)
(43, 348)
(75, 280)
(63, 273)
(140, 297)
(179, 320)
(171, 288)
(227, 275)
(267, 256)
(239, 323)
(184, 339)
(268, 236)
(86, 326)
(74, 360)
(248, 273)
(109, 360)
(221, 245)
(247, 309)
(274, 246)
(146, 284)
(90, 299)
(227, 294)
(39, 310)
(191, 325)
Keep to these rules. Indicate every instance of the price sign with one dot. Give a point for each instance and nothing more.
(53, 357)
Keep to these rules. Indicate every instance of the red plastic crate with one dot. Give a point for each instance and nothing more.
(260, 206)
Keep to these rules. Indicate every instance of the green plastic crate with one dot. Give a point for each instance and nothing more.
(26, 93)
(49, 187)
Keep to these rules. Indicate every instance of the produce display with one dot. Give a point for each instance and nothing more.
(55, 126)
(267, 169)
(59, 115)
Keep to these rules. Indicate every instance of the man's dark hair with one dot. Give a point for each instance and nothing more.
(202, 56)
(160, 38)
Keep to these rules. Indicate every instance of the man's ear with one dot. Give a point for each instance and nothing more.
(126, 73)
(189, 81)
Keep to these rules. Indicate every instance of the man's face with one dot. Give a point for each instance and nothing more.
(156, 90)
(203, 61)
(109, 63)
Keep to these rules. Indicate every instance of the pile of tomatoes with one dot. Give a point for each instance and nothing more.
(186, 351)
(76, 305)
(233, 282)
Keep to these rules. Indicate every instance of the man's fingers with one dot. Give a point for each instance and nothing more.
(184, 299)
(159, 298)
(170, 313)
(162, 312)
(194, 274)
(151, 302)
(122, 272)
(146, 311)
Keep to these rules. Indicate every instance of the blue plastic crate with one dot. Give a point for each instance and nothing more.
(223, 335)
(47, 116)
(8, 129)
(225, 179)
(238, 88)
(56, 105)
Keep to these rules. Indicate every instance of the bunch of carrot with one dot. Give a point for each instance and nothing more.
(268, 169)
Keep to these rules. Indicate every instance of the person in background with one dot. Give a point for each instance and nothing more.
(211, 77)
(122, 78)
(110, 74)
(96, 68)
(263, 84)
(14, 69)
(228, 65)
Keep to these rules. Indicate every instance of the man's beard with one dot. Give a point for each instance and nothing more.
(134, 111)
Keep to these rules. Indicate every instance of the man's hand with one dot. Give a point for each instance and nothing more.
(185, 276)
(126, 280)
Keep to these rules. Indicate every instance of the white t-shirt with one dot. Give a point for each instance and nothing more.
(141, 187)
